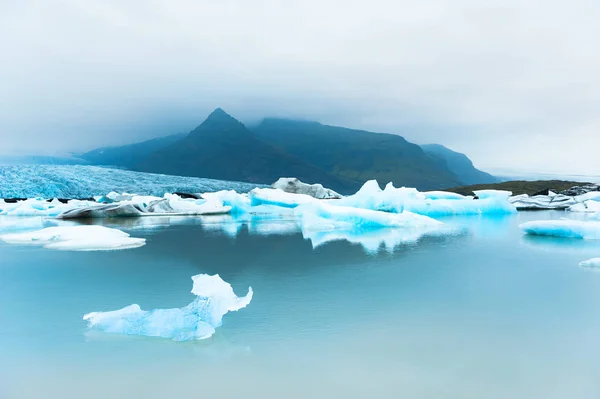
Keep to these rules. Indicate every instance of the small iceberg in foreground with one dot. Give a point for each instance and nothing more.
(196, 321)
(590, 263)
(563, 228)
(76, 238)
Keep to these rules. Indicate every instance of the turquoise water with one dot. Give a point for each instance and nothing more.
(481, 313)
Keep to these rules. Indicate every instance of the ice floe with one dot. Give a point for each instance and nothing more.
(586, 207)
(76, 238)
(591, 263)
(563, 228)
(555, 201)
(196, 321)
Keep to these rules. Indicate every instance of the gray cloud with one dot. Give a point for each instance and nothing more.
(511, 83)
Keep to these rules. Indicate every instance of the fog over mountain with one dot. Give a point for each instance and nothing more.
(509, 83)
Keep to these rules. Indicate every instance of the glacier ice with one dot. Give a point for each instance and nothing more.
(436, 195)
(10, 224)
(196, 321)
(396, 200)
(76, 238)
(271, 196)
(591, 263)
(483, 194)
(588, 206)
(295, 186)
(556, 201)
(563, 228)
(83, 181)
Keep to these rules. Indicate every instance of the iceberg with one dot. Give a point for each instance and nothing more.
(136, 206)
(8, 224)
(396, 200)
(40, 207)
(588, 206)
(76, 238)
(563, 228)
(591, 263)
(436, 195)
(295, 186)
(196, 321)
(322, 216)
(83, 181)
(556, 201)
(270, 196)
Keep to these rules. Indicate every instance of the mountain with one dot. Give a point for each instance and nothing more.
(223, 148)
(128, 156)
(358, 155)
(460, 165)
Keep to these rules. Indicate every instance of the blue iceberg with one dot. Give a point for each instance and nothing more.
(196, 321)
(563, 228)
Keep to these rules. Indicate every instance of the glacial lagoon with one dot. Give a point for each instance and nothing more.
(479, 311)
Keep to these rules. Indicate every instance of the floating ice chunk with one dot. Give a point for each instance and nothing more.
(556, 201)
(270, 196)
(587, 207)
(196, 321)
(321, 216)
(396, 200)
(563, 228)
(10, 224)
(295, 186)
(482, 194)
(591, 263)
(76, 238)
(239, 203)
(371, 196)
(39, 207)
(591, 196)
(436, 195)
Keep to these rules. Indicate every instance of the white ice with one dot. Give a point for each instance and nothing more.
(588, 206)
(76, 238)
(270, 196)
(555, 201)
(196, 321)
(563, 228)
(591, 263)
(396, 200)
(294, 185)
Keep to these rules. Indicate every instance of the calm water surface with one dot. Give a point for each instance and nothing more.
(481, 313)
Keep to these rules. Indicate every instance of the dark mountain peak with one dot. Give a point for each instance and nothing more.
(219, 122)
(219, 113)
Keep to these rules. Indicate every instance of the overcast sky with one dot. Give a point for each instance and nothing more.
(512, 83)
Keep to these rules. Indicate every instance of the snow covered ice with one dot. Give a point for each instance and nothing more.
(563, 228)
(76, 238)
(196, 321)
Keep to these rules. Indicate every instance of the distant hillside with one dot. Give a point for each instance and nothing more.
(520, 186)
(223, 148)
(358, 155)
(460, 165)
(129, 156)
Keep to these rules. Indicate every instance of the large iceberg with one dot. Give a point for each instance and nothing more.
(270, 196)
(76, 238)
(83, 181)
(196, 321)
(554, 201)
(392, 199)
(563, 228)
(295, 186)
(586, 207)
(322, 216)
